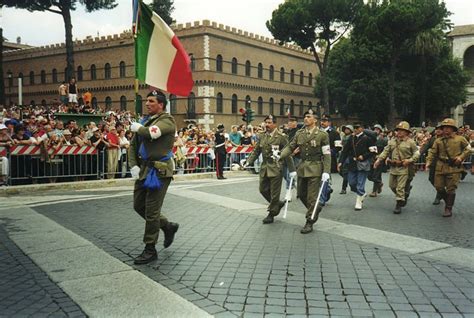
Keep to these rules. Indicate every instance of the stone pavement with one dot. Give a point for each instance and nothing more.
(225, 261)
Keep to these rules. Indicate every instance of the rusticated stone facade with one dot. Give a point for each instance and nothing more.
(230, 67)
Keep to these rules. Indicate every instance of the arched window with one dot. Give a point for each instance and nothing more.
(93, 72)
(282, 74)
(234, 104)
(32, 78)
(192, 62)
(32, 103)
(122, 69)
(260, 105)
(191, 106)
(301, 110)
(301, 78)
(310, 105)
(248, 101)
(107, 71)
(140, 104)
(10, 78)
(292, 76)
(235, 66)
(108, 102)
(123, 103)
(260, 70)
(54, 75)
(248, 67)
(219, 103)
(173, 109)
(20, 75)
(310, 79)
(94, 102)
(468, 63)
(282, 107)
(43, 77)
(271, 73)
(292, 107)
(219, 63)
(79, 73)
(271, 104)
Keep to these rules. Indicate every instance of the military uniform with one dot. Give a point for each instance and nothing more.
(271, 170)
(150, 148)
(397, 151)
(445, 151)
(315, 155)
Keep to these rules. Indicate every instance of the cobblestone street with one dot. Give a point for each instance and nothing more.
(225, 261)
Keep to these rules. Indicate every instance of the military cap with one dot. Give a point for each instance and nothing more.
(403, 125)
(160, 96)
(292, 119)
(220, 126)
(325, 117)
(272, 118)
(350, 127)
(311, 112)
(449, 122)
(357, 125)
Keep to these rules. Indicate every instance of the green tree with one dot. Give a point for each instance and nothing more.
(163, 8)
(63, 8)
(311, 24)
(395, 22)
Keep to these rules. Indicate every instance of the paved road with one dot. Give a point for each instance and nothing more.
(227, 262)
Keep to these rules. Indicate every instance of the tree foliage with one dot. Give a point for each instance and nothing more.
(163, 8)
(313, 23)
(63, 8)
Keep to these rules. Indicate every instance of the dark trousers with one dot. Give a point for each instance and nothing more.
(220, 161)
(147, 203)
(270, 188)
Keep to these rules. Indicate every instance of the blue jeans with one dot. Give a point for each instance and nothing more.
(357, 181)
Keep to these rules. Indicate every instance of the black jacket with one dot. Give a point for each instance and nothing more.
(354, 147)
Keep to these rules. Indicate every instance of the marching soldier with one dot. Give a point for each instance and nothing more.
(270, 145)
(449, 152)
(401, 152)
(220, 149)
(313, 146)
(151, 159)
(438, 133)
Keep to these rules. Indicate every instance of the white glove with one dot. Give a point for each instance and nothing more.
(325, 177)
(293, 174)
(135, 126)
(135, 171)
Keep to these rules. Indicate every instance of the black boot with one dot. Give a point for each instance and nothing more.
(398, 207)
(268, 219)
(308, 228)
(170, 230)
(379, 190)
(148, 255)
(438, 198)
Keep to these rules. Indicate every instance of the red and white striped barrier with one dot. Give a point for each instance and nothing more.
(22, 150)
(204, 150)
(239, 149)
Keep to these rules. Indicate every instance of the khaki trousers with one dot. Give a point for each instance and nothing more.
(270, 188)
(398, 185)
(447, 182)
(308, 189)
(112, 162)
(148, 203)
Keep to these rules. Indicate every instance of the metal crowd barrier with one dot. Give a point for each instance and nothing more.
(22, 164)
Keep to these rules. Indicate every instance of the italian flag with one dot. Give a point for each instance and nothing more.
(160, 59)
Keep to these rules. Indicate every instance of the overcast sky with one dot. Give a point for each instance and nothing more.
(40, 28)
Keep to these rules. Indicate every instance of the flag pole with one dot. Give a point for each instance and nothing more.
(135, 7)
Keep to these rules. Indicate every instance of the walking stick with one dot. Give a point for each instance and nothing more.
(317, 200)
(286, 197)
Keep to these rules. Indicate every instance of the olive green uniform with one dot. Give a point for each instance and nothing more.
(315, 157)
(157, 136)
(271, 170)
(444, 151)
(398, 150)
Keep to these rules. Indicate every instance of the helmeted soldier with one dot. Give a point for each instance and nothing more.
(270, 144)
(400, 153)
(151, 159)
(312, 144)
(448, 152)
(437, 133)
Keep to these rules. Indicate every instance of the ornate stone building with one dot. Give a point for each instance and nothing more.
(462, 38)
(231, 68)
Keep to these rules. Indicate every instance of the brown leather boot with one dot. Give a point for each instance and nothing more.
(148, 255)
(448, 209)
(308, 228)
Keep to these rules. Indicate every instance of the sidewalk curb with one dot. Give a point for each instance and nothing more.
(107, 183)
